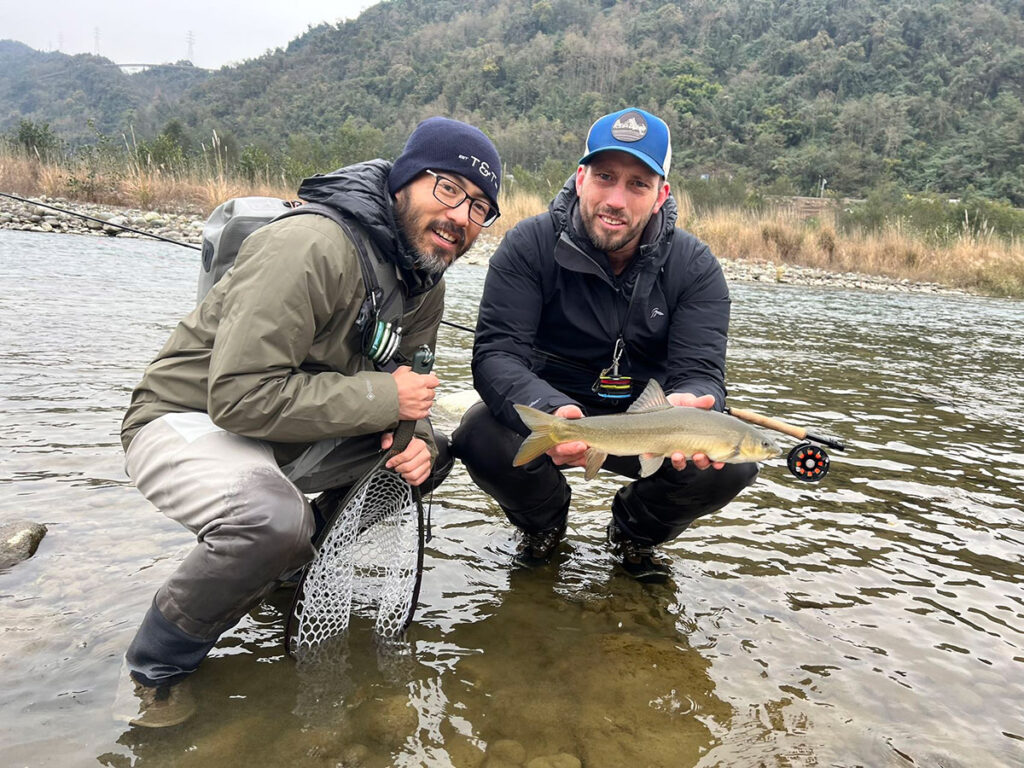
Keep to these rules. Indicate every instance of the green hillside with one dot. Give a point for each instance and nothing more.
(925, 95)
(78, 96)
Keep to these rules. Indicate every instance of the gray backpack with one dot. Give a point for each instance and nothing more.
(380, 317)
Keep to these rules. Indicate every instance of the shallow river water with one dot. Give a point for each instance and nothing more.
(874, 619)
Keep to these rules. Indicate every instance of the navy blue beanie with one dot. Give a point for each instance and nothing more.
(442, 144)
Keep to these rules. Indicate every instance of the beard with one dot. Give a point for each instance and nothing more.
(415, 232)
(609, 242)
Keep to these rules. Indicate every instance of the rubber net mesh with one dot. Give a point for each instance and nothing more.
(367, 564)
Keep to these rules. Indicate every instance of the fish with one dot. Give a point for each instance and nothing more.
(651, 429)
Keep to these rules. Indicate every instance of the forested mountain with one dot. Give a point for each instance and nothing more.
(83, 94)
(924, 94)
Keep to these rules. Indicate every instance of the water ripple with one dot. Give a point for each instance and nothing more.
(876, 618)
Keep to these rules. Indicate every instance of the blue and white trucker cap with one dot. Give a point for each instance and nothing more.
(635, 131)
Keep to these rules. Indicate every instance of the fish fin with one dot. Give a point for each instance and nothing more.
(731, 455)
(649, 463)
(651, 399)
(540, 439)
(595, 459)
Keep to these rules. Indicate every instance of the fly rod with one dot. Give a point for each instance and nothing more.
(806, 460)
(787, 429)
(100, 221)
(147, 234)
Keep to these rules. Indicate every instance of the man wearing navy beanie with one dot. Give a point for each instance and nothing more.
(442, 144)
(462, 170)
(277, 386)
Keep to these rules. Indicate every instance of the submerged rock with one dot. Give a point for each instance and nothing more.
(506, 752)
(561, 760)
(18, 541)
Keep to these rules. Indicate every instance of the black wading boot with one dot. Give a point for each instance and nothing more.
(536, 549)
(638, 560)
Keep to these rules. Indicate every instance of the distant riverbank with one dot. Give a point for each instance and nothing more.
(186, 227)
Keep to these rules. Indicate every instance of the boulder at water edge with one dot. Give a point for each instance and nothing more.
(18, 541)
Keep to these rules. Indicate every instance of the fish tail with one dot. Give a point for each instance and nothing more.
(540, 439)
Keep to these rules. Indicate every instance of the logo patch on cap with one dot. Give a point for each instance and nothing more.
(630, 127)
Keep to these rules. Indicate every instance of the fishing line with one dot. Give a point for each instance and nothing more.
(100, 221)
(754, 418)
(154, 236)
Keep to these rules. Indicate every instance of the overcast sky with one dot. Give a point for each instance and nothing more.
(134, 31)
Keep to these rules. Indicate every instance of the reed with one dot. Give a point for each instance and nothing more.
(515, 206)
(982, 262)
(135, 181)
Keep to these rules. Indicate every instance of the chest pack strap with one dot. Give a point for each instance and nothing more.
(384, 295)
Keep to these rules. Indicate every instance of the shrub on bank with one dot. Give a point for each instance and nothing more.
(972, 259)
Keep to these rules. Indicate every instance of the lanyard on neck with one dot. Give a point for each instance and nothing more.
(610, 383)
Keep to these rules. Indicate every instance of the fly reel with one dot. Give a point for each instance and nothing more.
(808, 462)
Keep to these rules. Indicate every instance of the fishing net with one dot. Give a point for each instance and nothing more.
(368, 563)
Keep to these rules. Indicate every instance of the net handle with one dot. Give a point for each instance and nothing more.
(422, 362)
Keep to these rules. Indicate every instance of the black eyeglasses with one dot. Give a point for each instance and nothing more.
(452, 195)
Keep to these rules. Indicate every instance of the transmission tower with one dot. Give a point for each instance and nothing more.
(96, 37)
(190, 39)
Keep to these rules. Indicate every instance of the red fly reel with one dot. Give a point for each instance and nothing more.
(808, 462)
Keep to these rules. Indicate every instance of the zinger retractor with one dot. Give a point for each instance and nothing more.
(808, 462)
(611, 384)
(381, 340)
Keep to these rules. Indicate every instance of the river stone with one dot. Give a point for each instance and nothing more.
(561, 760)
(355, 755)
(392, 720)
(18, 541)
(506, 751)
(463, 753)
(455, 404)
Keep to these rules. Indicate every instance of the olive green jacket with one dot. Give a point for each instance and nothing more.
(272, 351)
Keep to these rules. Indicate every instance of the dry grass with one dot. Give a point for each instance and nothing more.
(984, 264)
(980, 263)
(21, 175)
(134, 185)
(516, 206)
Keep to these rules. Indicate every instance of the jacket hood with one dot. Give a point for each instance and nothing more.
(360, 191)
(659, 229)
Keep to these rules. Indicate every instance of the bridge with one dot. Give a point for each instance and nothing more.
(143, 67)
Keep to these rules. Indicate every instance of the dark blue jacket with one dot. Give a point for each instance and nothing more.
(552, 309)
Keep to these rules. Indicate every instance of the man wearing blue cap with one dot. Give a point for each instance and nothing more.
(582, 306)
(269, 389)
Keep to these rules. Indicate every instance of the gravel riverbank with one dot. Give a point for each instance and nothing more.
(187, 228)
